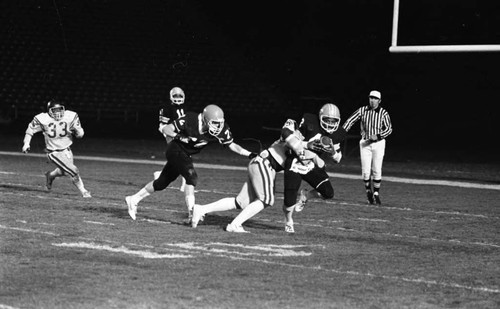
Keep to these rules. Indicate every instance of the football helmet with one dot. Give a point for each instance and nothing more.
(329, 117)
(177, 96)
(213, 117)
(55, 109)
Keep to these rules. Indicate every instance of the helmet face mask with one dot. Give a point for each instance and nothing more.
(177, 96)
(329, 117)
(213, 117)
(55, 110)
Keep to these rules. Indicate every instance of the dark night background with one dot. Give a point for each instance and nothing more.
(262, 61)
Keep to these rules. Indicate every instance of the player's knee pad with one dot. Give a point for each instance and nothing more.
(192, 177)
(326, 190)
(160, 183)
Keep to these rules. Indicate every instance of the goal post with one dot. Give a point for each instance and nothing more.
(395, 48)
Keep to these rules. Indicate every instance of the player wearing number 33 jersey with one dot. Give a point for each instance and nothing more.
(58, 126)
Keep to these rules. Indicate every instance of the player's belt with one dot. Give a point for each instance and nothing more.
(57, 150)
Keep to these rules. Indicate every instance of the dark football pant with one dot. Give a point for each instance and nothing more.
(316, 178)
(178, 163)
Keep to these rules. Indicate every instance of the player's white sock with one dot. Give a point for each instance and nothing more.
(189, 202)
(141, 194)
(227, 203)
(248, 212)
(77, 181)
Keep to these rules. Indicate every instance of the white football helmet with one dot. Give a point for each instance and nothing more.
(55, 109)
(177, 96)
(329, 117)
(213, 117)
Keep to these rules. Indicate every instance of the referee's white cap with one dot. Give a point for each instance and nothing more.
(375, 94)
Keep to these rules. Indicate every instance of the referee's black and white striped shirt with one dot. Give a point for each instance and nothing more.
(373, 122)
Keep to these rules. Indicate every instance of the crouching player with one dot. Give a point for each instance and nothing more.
(257, 192)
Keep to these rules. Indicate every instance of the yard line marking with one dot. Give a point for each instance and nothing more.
(244, 168)
(98, 223)
(147, 254)
(368, 274)
(27, 230)
(2, 306)
(122, 249)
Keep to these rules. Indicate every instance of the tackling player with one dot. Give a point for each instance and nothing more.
(323, 136)
(59, 126)
(188, 135)
(168, 114)
(258, 192)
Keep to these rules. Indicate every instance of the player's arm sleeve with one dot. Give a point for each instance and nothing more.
(236, 148)
(387, 127)
(76, 127)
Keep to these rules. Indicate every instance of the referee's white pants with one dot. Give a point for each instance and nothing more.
(372, 156)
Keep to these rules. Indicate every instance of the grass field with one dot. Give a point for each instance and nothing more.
(434, 243)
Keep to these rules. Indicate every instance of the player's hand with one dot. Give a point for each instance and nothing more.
(314, 145)
(26, 148)
(183, 138)
(252, 155)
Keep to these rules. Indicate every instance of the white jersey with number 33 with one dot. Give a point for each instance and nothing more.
(58, 134)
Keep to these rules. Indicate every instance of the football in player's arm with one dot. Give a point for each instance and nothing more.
(189, 136)
(323, 135)
(58, 126)
(258, 192)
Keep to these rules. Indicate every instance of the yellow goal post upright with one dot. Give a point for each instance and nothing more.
(395, 48)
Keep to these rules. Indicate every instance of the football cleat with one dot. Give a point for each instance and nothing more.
(235, 228)
(86, 194)
(132, 207)
(289, 228)
(48, 181)
(299, 206)
(369, 196)
(376, 197)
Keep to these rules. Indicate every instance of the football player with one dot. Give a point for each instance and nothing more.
(188, 136)
(323, 135)
(168, 114)
(258, 192)
(59, 126)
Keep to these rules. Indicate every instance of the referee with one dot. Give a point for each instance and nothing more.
(375, 128)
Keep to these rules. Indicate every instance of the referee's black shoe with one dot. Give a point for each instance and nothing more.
(376, 197)
(369, 196)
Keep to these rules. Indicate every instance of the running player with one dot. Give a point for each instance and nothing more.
(188, 136)
(59, 126)
(257, 192)
(169, 113)
(376, 126)
(323, 135)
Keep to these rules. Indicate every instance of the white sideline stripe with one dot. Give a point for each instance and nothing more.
(243, 168)
(122, 249)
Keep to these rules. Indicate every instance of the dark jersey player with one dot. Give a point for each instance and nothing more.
(188, 136)
(323, 135)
